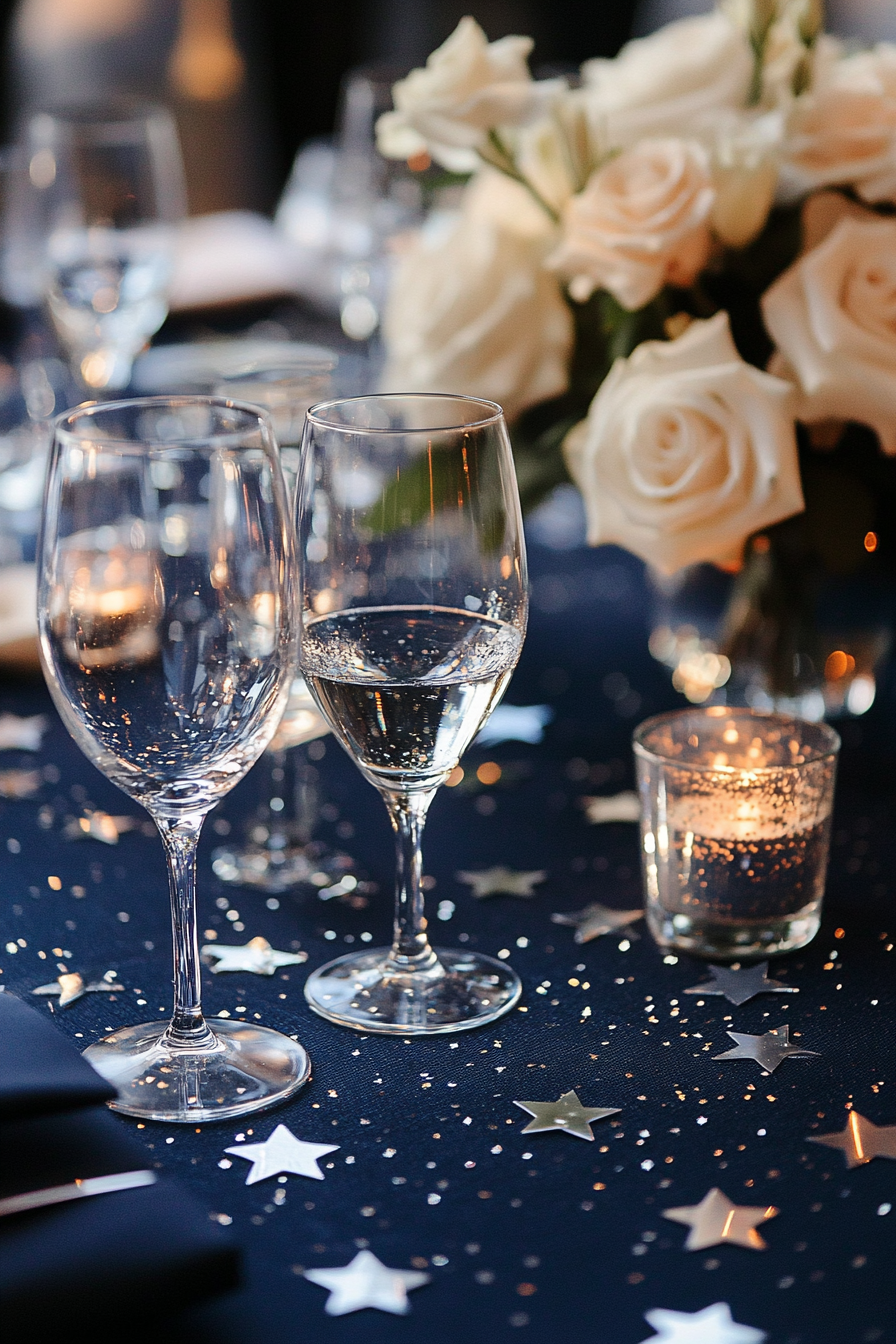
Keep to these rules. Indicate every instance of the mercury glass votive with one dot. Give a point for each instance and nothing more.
(735, 829)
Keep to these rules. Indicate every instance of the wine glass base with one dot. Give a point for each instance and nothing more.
(466, 990)
(249, 1068)
(266, 868)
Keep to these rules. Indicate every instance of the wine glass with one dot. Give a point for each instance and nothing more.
(276, 852)
(414, 610)
(109, 189)
(166, 614)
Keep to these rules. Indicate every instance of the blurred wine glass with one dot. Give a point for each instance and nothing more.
(414, 607)
(108, 190)
(166, 615)
(276, 850)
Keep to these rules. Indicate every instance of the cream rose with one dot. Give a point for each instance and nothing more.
(467, 87)
(673, 82)
(640, 222)
(843, 133)
(475, 311)
(832, 316)
(686, 451)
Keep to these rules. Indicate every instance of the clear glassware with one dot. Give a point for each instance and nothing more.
(735, 829)
(414, 607)
(166, 610)
(108, 189)
(277, 851)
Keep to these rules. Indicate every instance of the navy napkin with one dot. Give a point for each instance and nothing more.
(40, 1071)
(127, 1259)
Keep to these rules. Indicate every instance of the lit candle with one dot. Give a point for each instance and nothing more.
(735, 809)
(107, 606)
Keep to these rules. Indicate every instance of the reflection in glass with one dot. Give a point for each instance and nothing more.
(414, 609)
(165, 611)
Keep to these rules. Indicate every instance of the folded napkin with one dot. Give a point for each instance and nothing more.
(18, 618)
(88, 1262)
(230, 257)
(40, 1070)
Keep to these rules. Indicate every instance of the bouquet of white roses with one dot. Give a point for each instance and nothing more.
(678, 276)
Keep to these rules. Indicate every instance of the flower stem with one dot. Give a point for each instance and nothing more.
(503, 159)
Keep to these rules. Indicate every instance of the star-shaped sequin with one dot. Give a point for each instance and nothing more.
(22, 734)
(712, 1325)
(742, 983)
(716, 1220)
(594, 920)
(501, 881)
(768, 1050)
(70, 986)
(618, 807)
(283, 1152)
(567, 1114)
(257, 957)
(98, 826)
(367, 1282)
(860, 1141)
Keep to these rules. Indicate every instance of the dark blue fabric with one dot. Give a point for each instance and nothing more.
(568, 1243)
(39, 1071)
(132, 1256)
(83, 1265)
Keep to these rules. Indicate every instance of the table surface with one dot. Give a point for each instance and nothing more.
(525, 1236)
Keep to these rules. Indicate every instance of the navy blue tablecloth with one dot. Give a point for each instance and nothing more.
(529, 1237)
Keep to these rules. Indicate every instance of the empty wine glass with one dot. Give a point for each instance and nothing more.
(414, 611)
(166, 614)
(277, 852)
(108, 189)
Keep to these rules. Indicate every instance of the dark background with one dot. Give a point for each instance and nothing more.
(296, 55)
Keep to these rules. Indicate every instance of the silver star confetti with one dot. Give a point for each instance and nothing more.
(768, 1051)
(741, 983)
(860, 1140)
(594, 920)
(501, 881)
(367, 1282)
(19, 783)
(619, 807)
(716, 1220)
(712, 1325)
(283, 1152)
(22, 734)
(257, 957)
(567, 1114)
(70, 986)
(98, 826)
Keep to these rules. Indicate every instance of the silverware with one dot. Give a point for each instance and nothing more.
(62, 1194)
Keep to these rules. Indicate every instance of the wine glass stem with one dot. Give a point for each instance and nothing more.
(188, 1027)
(410, 947)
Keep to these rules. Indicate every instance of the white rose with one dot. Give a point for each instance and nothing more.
(640, 222)
(843, 132)
(686, 451)
(467, 87)
(475, 311)
(832, 316)
(673, 82)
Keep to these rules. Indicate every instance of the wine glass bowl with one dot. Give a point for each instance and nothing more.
(108, 188)
(414, 607)
(166, 632)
